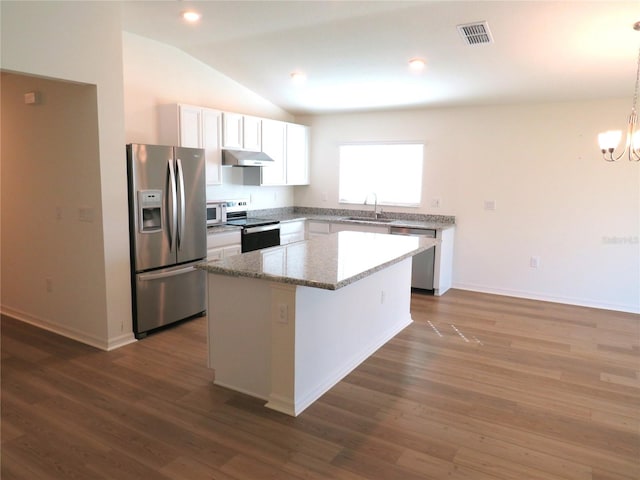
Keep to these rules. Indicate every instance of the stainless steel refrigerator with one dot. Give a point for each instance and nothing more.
(167, 229)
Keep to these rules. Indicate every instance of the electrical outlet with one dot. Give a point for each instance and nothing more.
(489, 204)
(48, 284)
(435, 203)
(283, 314)
(534, 262)
(86, 214)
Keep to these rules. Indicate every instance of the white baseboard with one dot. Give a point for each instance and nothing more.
(79, 336)
(581, 302)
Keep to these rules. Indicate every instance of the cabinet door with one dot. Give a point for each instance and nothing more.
(291, 232)
(211, 132)
(316, 229)
(232, 130)
(252, 133)
(190, 126)
(232, 250)
(358, 227)
(215, 254)
(297, 154)
(273, 144)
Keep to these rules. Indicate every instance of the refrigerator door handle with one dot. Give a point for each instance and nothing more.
(171, 203)
(182, 209)
(171, 273)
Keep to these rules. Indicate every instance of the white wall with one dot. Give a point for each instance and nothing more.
(157, 74)
(80, 42)
(556, 198)
(49, 260)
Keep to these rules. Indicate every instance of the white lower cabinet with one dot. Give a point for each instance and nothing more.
(443, 268)
(359, 227)
(315, 229)
(223, 244)
(291, 232)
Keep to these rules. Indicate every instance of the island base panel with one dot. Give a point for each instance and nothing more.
(335, 331)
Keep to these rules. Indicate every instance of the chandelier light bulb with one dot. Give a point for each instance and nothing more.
(609, 140)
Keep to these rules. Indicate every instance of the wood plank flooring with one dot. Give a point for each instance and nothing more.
(479, 387)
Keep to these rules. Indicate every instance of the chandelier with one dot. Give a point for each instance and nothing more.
(609, 140)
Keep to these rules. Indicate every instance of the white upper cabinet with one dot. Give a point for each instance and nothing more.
(201, 127)
(195, 127)
(273, 144)
(211, 136)
(242, 132)
(252, 130)
(297, 154)
(232, 130)
(190, 128)
(287, 144)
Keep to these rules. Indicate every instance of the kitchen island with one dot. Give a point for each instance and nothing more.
(287, 323)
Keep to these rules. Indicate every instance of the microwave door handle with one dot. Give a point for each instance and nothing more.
(171, 203)
(181, 199)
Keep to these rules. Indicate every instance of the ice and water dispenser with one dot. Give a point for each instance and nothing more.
(150, 210)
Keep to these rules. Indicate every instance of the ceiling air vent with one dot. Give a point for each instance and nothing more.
(475, 33)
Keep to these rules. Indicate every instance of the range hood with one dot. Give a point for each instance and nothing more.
(244, 158)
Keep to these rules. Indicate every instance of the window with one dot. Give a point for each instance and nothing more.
(393, 171)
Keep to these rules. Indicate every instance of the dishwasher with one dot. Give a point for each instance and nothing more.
(423, 263)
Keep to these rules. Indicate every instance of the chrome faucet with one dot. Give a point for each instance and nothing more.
(375, 204)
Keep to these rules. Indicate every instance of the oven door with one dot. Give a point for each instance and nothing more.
(263, 236)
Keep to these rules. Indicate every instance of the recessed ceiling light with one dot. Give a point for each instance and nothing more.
(191, 16)
(417, 64)
(298, 77)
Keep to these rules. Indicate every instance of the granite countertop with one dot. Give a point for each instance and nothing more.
(223, 228)
(431, 222)
(329, 262)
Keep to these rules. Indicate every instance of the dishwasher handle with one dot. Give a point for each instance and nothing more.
(414, 232)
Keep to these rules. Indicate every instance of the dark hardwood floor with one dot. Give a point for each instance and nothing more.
(479, 387)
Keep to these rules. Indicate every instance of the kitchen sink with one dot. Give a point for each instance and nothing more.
(369, 219)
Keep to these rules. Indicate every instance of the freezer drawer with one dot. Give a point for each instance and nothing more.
(167, 295)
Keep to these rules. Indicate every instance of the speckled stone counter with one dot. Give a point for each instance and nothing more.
(391, 219)
(329, 262)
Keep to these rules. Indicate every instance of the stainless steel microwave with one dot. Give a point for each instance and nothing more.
(216, 213)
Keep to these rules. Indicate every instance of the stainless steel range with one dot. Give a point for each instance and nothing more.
(257, 233)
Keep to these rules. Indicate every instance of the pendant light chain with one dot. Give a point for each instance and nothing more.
(635, 93)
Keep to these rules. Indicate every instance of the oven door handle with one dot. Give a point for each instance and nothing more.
(261, 228)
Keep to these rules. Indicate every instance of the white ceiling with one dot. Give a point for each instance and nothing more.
(355, 53)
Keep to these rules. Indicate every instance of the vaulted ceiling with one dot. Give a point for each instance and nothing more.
(355, 53)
